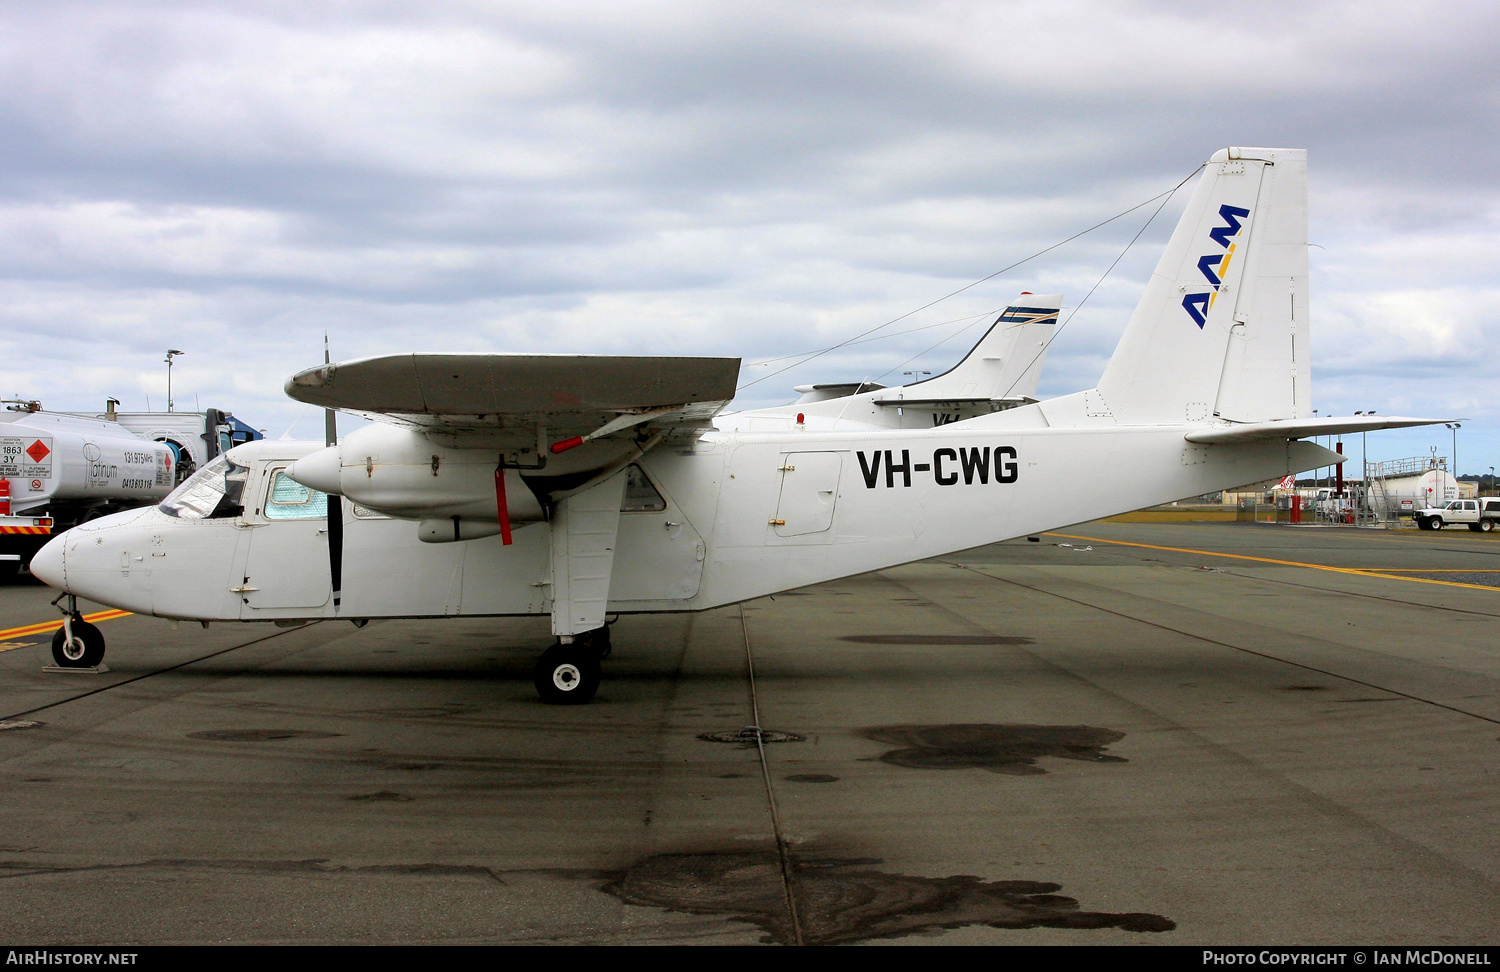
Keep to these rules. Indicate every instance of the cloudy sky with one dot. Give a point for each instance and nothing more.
(749, 179)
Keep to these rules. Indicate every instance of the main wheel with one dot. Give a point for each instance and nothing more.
(1473, 527)
(568, 674)
(1436, 523)
(1486, 525)
(85, 650)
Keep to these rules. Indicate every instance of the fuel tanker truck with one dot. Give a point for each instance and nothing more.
(58, 469)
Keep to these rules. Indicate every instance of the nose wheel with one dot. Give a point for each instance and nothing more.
(84, 649)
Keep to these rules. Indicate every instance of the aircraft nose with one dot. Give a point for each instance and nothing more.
(319, 470)
(47, 563)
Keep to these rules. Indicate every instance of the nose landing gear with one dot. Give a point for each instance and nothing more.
(77, 644)
(83, 648)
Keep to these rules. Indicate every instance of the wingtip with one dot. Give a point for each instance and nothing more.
(319, 377)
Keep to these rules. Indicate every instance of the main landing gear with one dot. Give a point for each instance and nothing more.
(77, 644)
(569, 674)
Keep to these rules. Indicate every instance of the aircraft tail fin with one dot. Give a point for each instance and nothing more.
(1007, 361)
(1222, 329)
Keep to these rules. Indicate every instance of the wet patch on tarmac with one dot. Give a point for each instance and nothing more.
(847, 900)
(937, 641)
(811, 778)
(1008, 749)
(260, 735)
(383, 796)
(425, 711)
(309, 866)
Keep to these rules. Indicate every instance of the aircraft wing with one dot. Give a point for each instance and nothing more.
(490, 397)
(1305, 428)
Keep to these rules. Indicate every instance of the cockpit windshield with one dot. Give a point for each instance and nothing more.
(212, 492)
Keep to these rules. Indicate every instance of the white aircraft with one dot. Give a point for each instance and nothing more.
(587, 486)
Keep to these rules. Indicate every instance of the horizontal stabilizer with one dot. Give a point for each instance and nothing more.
(950, 404)
(1305, 428)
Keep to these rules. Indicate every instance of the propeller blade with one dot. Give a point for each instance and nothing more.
(335, 505)
(336, 546)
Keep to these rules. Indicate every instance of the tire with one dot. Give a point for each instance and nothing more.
(1486, 525)
(1436, 523)
(86, 650)
(568, 674)
(1473, 527)
(1423, 524)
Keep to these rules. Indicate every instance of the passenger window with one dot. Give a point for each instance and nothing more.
(640, 495)
(290, 500)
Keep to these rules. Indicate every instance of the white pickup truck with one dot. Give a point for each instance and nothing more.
(1478, 515)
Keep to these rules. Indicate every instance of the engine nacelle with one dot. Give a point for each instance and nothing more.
(401, 472)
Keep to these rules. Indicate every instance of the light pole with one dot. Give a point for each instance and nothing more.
(170, 355)
(1454, 427)
(1364, 478)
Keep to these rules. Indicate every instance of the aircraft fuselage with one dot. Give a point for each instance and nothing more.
(743, 515)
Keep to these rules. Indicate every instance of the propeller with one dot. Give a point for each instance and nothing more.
(335, 505)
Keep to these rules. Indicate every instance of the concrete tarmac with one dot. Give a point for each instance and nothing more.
(1123, 733)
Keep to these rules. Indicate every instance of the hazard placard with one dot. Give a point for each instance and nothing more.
(26, 457)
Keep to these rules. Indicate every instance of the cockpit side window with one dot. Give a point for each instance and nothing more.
(290, 500)
(213, 492)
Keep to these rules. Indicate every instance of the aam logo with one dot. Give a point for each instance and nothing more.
(1215, 266)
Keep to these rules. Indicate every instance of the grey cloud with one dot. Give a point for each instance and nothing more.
(708, 178)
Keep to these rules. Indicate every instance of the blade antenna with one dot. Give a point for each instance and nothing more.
(335, 504)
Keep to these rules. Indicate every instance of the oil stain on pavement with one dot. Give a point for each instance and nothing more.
(848, 900)
(1009, 749)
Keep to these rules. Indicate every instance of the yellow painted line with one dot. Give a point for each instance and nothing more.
(1418, 536)
(46, 626)
(1356, 571)
(1434, 570)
